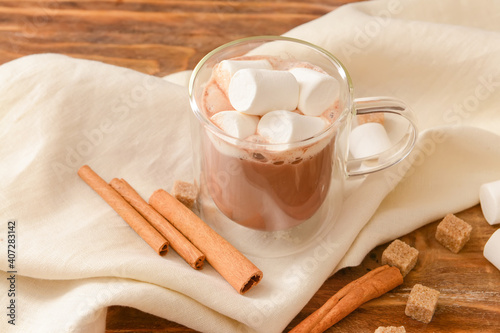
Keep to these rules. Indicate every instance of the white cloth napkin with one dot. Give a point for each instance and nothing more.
(75, 256)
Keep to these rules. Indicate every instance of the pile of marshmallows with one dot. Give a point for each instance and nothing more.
(281, 106)
(284, 106)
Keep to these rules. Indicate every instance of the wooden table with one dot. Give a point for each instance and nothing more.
(162, 37)
(469, 286)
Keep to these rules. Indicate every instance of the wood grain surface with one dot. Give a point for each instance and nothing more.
(161, 37)
(155, 37)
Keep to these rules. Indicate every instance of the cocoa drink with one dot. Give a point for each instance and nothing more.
(262, 172)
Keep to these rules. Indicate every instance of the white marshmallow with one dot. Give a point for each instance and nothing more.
(489, 197)
(232, 66)
(235, 123)
(318, 91)
(283, 126)
(492, 249)
(258, 91)
(368, 139)
(225, 70)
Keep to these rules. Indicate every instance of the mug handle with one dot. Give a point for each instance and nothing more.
(399, 150)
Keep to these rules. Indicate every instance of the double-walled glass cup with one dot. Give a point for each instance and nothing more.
(271, 199)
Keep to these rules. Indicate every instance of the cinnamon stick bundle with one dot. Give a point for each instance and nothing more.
(371, 285)
(125, 210)
(177, 241)
(231, 264)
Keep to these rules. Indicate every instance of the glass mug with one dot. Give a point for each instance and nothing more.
(271, 199)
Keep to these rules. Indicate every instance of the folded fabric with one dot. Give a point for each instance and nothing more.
(76, 256)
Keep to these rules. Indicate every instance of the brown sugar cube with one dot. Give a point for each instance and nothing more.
(422, 303)
(453, 232)
(185, 193)
(390, 329)
(400, 255)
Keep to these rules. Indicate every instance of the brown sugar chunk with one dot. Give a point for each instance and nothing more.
(453, 232)
(185, 192)
(400, 255)
(422, 303)
(390, 329)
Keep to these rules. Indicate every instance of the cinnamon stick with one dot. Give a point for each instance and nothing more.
(177, 241)
(142, 227)
(231, 264)
(349, 298)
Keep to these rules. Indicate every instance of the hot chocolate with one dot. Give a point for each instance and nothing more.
(268, 182)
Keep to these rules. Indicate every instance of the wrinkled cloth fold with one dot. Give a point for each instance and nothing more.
(75, 256)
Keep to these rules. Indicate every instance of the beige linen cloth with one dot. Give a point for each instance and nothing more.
(76, 256)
